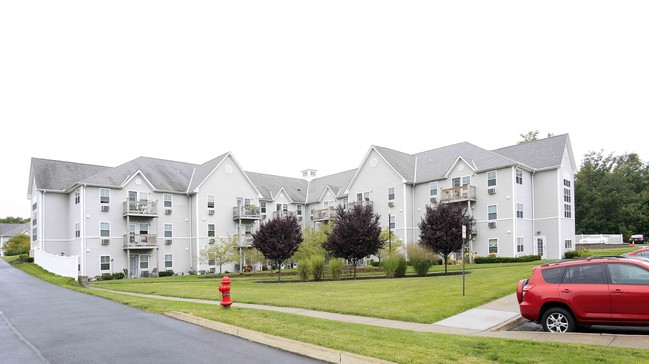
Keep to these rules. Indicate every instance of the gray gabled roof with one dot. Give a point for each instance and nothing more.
(404, 164)
(203, 171)
(9, 230)
(540, 154)
(54, 175)
(270, 185)
(164, 175)
(336, 182)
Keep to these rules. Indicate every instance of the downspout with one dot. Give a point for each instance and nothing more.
(41, 225)
(515, 214)
(533, 212)
(197, 235)
(83, 231)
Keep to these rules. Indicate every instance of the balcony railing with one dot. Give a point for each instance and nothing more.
(246, 213)
(142, 241)
(246, 241)
(283, 213)
(325, 214)
(361, 203)
(140, 208)
(458, 194)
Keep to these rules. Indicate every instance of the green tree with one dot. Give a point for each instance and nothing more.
(278, 239)
(16, 245)
(441, 229)
(13, 220)
(312, 244)
(611, 195)
(221, 253)
(355, 235)
(392, 243)
(531, 136)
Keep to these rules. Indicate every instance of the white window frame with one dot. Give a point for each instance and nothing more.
(104, 193)
(519, 210)
(168, 230)
(520, 245)
(168, 200)
(211, 230)
(77, 196)
(391, 193)
(433, 187)
(393, 222)
(210, 201)
(567, 244)
(144, 263)
(170, 260)
(77, 229)
(492, 176)
(493, 245)
(102, 263)
(104, 229)
(519, 176)
(567, 211)
(494, 212)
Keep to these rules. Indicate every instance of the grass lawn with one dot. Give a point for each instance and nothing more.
(390, 344)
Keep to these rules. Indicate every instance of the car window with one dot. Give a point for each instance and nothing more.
(643, 253)
(628, 274)
(553, 275)
(584, 274)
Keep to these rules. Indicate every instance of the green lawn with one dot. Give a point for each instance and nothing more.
(390, 344)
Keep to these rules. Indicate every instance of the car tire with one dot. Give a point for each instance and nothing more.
(558, 320)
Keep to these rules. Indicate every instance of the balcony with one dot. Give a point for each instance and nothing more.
(283, 213)
(245, 241)
(458, 194)
(139, 241)
(140, 208)
(361, 203)
(246, 213)
(325, 214)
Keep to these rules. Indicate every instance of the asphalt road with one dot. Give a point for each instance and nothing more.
(44, 323)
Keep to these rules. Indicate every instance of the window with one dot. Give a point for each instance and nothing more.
(390, 193)
(248, 229)
(519, 176)
(282, 207)
(628, 274)
(262, 205)
(393, 222)
(299, 210)
(210, 201)
(104, 229)
(167, 200)
(168, 261)
(77, 230)
(553, 275)
(584, 274)
(169, 230)
(520, 247)
(363, 196)
(77, 196)
(104, 195)
(34, 233)
(567, 195)
(432, 187)
(359, 197)
(491, 178)
(519, 210)
(210, 230)
(567, 244)
(567, 211)
(144, 261)
(493, 246)
(104, 262)
(466, 180)
(144, 196)
(461, 181)
(566, 182)
(492, 212)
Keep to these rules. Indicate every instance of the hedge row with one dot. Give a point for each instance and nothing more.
(525, 258)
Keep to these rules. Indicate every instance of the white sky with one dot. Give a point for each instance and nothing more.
(290, 85)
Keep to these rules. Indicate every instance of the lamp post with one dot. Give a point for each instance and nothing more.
(390, 232)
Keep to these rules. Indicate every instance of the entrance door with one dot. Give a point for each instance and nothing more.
(134, 264)
(540, 247)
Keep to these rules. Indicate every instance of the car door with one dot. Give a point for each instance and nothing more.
(585, 289)
(629, 292)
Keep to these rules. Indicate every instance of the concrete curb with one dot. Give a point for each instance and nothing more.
(509, 324)
(298, 347)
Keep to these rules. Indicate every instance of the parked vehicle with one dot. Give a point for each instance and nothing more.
(592, 291)
(643, 252)
(637, 239)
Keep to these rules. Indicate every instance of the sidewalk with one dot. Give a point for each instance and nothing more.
(490, 320)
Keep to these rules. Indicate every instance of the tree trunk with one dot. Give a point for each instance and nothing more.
(445, 264)
(354, 266)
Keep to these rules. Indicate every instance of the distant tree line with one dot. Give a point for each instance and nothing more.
(13, 220)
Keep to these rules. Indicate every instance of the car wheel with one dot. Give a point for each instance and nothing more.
(558, 320)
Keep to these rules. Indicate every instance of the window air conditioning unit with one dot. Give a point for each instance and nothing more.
(299, 218)
(391, 203)
(211, 241)
(105, 241)
(491, 191)
(168, 241)
(492, 224)
(433, 199)
(210, 212)
(167, 211)
(105, 208)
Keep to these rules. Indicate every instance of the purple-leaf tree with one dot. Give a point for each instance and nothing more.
(355, 235)
(441, 229)
(278, 239)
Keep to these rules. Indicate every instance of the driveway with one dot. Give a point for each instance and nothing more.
(44, 323)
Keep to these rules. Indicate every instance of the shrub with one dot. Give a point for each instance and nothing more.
(571, 254)
(106, 277)
(317, 267)
(421, 259)
(336, 268)
(192, 272)
(491, 259)
(304, 269)
(166, 273)
(394, 265)
(118, 275)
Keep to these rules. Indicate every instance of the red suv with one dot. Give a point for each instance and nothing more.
(592, 291)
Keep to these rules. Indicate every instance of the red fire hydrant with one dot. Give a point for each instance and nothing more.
(224, 288)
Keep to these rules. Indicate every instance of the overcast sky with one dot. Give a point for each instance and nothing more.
(290, 85)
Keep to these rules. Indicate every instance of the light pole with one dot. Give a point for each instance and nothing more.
(390, 232)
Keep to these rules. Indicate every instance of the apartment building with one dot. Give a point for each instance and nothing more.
(149, 215)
